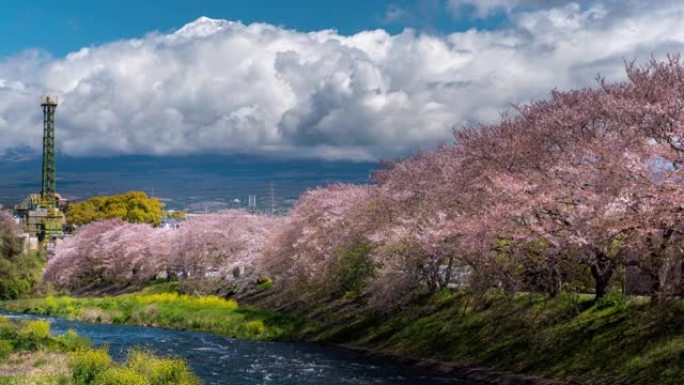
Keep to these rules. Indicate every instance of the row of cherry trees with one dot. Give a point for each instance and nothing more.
(562, 194)
(571, 189)
(208, 250)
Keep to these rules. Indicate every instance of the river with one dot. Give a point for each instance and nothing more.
(226, 361)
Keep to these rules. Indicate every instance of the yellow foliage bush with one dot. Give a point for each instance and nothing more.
(120, 376)
(208, 301)
(86, 365)
(161, 371)
(36, 329)
(256, 328)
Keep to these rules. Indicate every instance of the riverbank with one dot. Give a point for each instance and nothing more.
(31, 355)
(616, 340)
(158, 308)
(568, 338)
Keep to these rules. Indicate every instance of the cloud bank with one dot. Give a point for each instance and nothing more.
(217, 86)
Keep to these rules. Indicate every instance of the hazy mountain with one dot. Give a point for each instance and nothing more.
(196, 182)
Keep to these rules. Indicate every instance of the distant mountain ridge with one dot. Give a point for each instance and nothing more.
(196, 182)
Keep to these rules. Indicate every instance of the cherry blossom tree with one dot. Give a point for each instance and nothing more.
(212, 251)
(571, 185)
(109, 254)
(303, 253)
(221, 248)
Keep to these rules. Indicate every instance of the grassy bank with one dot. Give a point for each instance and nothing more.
(31, 355)
(154, 307)
(617, 340)
(570, 337)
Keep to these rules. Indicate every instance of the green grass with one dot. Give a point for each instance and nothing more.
(570, 337)
(616, 340)
(153, 307)
(36, 379)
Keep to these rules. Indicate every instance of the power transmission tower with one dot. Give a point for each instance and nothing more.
(48, 188)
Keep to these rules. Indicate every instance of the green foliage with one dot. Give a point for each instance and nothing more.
(10, 245)
(20, 273)
(96, 367)
(120, 376)
(34, 335)
(180, 214)
(615, 341)
(40, 379)
(87, 365)
(161, 371)
(6, 348)
(170, 310)
(134, 207)
(264, 284)
(354, 266)
(256, 328)
(71, 341)
(611, 300)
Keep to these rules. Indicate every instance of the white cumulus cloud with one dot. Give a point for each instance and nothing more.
(224, 87)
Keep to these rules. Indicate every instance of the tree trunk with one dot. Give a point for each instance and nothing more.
(660, 268)
(556, 281)
(447, 274)
(602, 271)
(601, 283)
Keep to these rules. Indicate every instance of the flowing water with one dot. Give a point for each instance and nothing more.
(220, 360)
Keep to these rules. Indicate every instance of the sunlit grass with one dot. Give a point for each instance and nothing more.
(168, 310)
(615, 340)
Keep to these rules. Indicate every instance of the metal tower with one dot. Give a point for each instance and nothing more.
(43, 214)
(49, 188)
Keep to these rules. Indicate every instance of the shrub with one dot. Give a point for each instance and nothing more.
(34, 335)
(39, 329)
(6, 348)
(7, 328)
(86, 365)
(354, 266)
(120, 376)
(72, 342)
(20, 271)
(611, 300)
(256, 328)
(161, 371)
(20, 274)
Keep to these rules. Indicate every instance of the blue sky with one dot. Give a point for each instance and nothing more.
(65, 26)
(152, 79)
(155, 79)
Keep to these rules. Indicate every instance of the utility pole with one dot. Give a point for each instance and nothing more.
(251, 202)
(272, 199)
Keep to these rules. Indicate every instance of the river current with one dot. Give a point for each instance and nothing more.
(226, 361)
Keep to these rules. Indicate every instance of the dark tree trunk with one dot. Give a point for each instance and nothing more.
(658, 270)
(447, 274)
(556, 281)
(602, 271)
(601, 283)
(433, 276)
